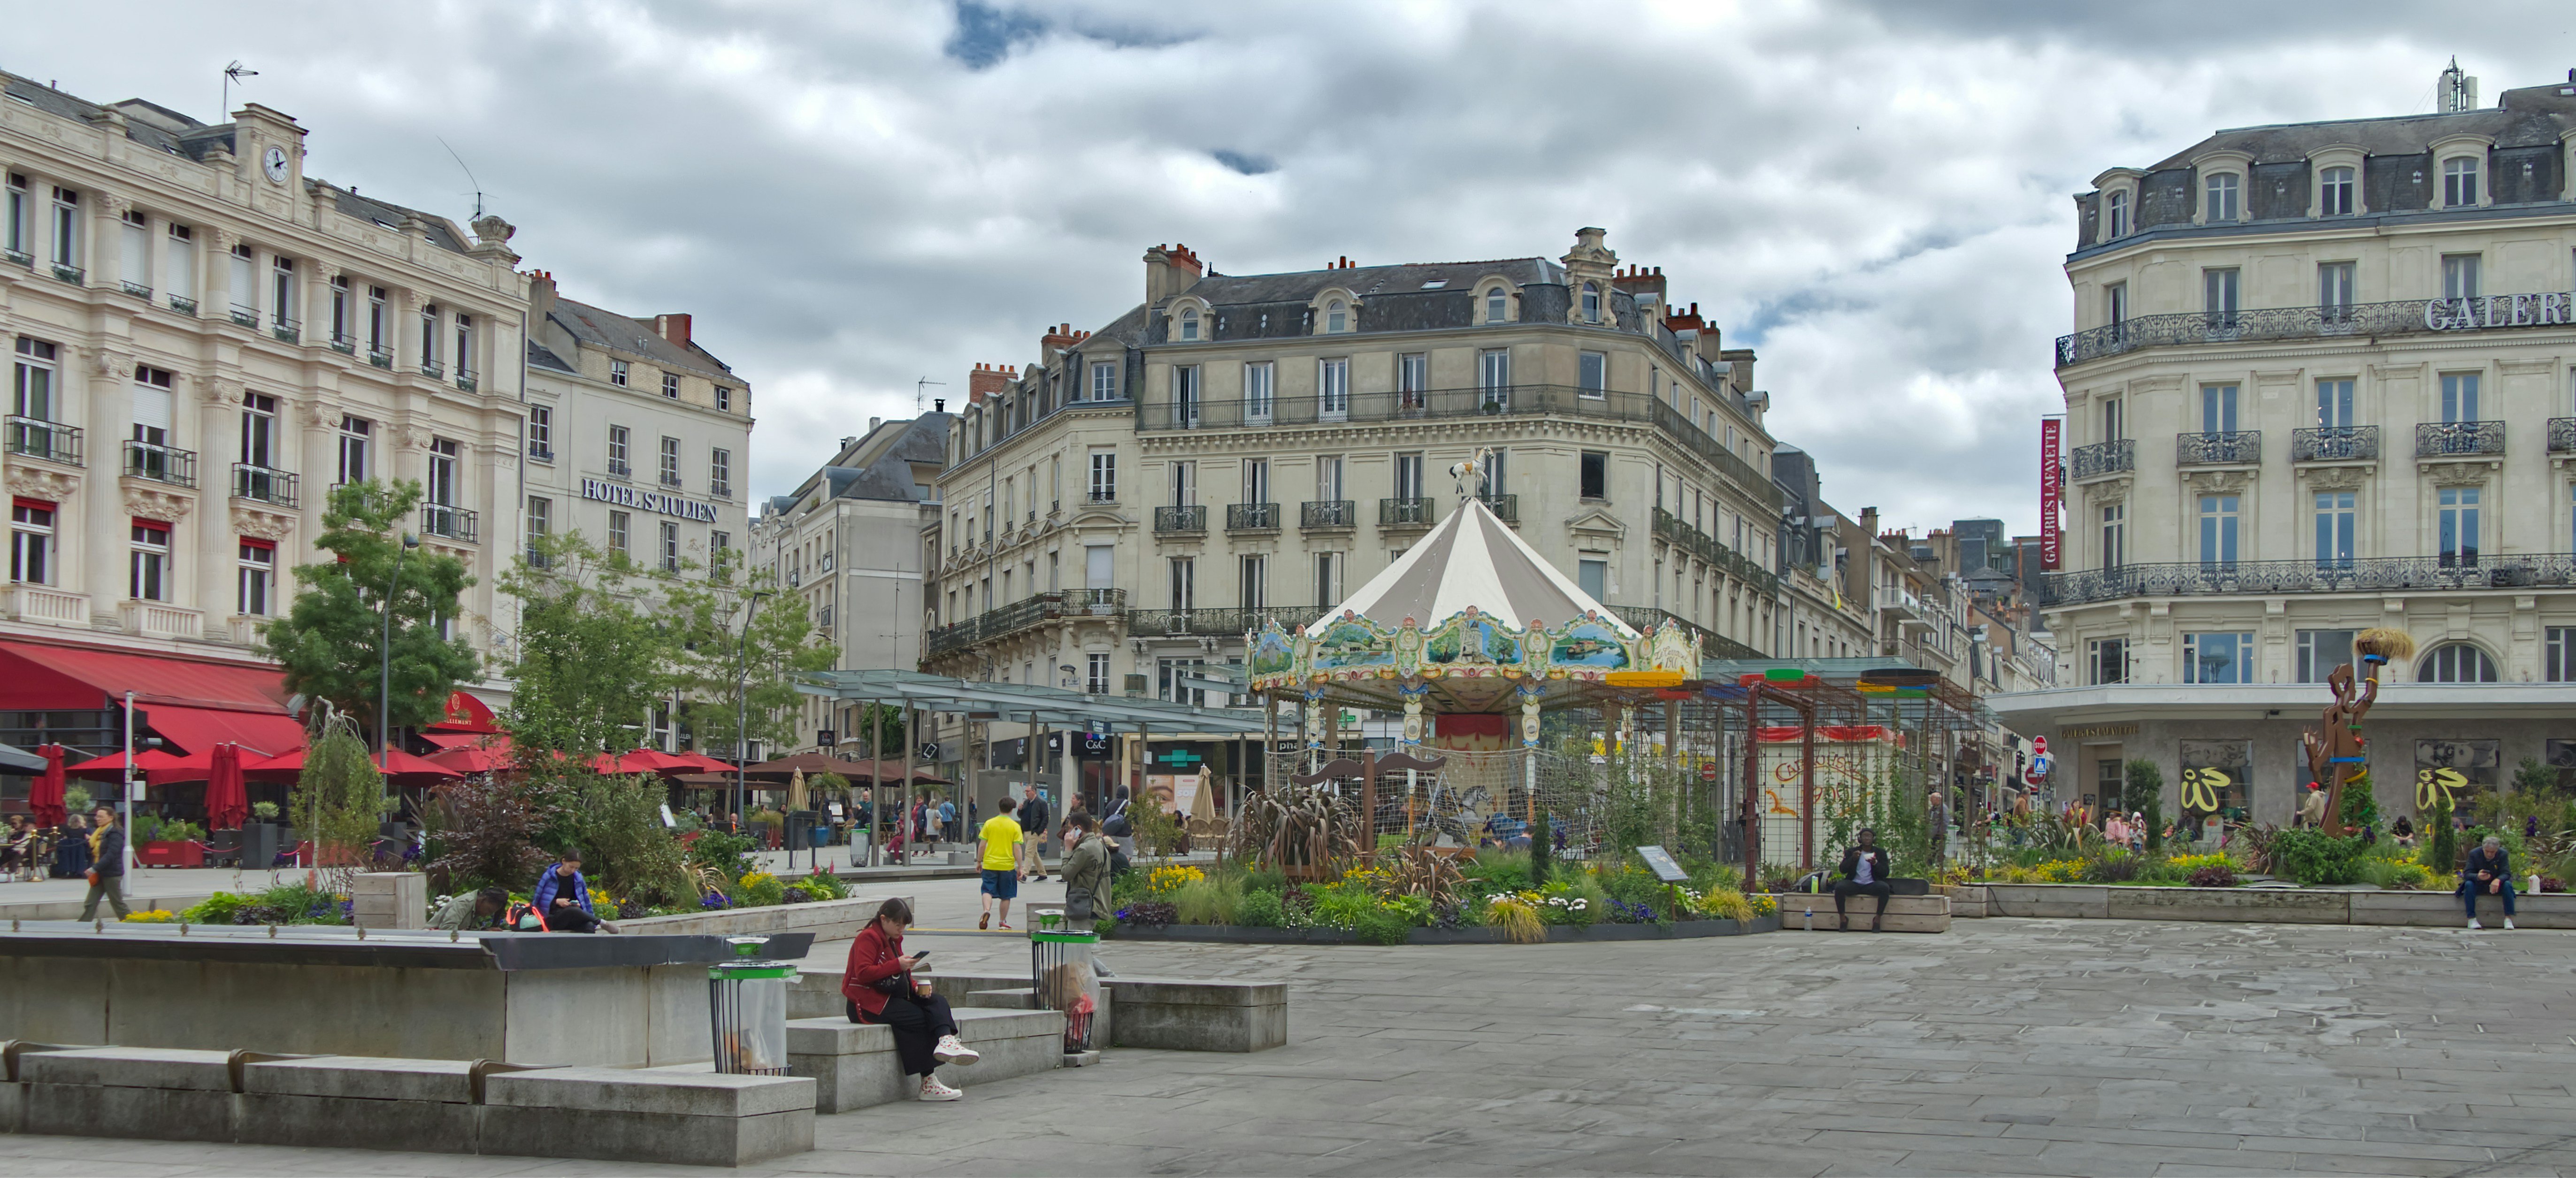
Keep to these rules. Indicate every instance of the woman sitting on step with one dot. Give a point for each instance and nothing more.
(880, 988)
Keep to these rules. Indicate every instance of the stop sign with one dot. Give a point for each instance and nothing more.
(2039, 745)
(1708, 770)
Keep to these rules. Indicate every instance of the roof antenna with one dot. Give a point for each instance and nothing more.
(917, 387)
(233, 73)
(469, 176)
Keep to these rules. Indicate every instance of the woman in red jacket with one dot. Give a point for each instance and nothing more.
(881, 989)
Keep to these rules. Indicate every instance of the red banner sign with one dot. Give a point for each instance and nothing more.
(2052, 491)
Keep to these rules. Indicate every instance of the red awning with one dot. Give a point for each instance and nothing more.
(466, 740)
(465, 713)
(199, 730)
(41, 676)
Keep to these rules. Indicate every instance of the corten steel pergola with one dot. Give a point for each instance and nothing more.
(1041, 708)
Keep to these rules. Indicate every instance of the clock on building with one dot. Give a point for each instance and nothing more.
(274, 163)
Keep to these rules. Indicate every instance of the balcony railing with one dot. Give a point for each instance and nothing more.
(182, 306)
(1252, 517)
(161, 464)
(1181, 519)
(20, 257)
(1216, 623)
(380, 357)
(264, 485)
(2243, 447)
(448, 521)
(2407, 317)
(1712, 645)
(670, 478)
(2335, 443)
(71, 274)
(541, 452)
(345, 345)
(1400, 513)
(2562, 435)
(1450, 404)
(287, 331)
(136, 289)
(1678, 532)
(1328, 513)
(2260, 577)
(2440, 439)
(246, 316)
(465, 382)
(1505, 506)
(618, 468)
(1022, 614)
(2101, 458)
(432, 369)
(52, 441)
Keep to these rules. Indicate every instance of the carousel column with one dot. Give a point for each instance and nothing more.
(1529, 751)
(1270, 738)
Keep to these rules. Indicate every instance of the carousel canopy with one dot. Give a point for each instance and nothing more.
(1472, 559)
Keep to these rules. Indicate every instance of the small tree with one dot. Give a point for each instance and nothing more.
(332, 638)
(339, 796)
(593, 656)
(485, 836)
(2442, 842)
(740, 629)
(2533, 777)
(1542, 847)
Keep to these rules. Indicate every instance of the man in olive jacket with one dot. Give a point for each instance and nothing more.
(1086, 871)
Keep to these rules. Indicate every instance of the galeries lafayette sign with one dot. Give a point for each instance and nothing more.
(653, 501)
(2514, 310)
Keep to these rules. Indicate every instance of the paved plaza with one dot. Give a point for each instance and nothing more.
(2007, 1046)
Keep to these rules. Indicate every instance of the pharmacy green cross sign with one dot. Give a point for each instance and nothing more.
(1180, 758)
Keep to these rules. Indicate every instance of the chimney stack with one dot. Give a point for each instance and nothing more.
(541, 298)
(1057, 339)
(1170, 270)
(987, 381)
(674, 328)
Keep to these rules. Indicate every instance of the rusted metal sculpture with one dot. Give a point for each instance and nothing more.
(2337, 754)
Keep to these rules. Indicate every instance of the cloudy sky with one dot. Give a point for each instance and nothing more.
(855, 194)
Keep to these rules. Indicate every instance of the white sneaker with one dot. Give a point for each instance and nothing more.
(932, 1089)
(2474, 925)
(952, 1051)
(2508, 924)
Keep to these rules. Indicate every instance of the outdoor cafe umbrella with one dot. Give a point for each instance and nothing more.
(796, 792)
(112, 768)
(643, 761)
(1203, 800)
(471, 759)
(45, 798)
(407, 769)
(227, 804)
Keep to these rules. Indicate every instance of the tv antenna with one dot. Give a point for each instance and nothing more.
(469, 176)
(233, 73)
(917, 387)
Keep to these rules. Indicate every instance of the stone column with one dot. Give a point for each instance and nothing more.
(215, 276)
(107, 238)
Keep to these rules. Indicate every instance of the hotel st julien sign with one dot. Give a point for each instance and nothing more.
(652, 501)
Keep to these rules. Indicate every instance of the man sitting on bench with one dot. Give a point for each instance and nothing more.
(1864, 873)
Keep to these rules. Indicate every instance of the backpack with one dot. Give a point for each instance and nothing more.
(523, 918)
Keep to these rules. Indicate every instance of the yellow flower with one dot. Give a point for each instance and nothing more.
(150, 916)
(2060, 871)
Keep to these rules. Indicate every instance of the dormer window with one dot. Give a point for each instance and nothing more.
(2459, 182)
(2115, 219)
(1591, 303)
(1337, 318)
(2334, 192)
(1189, 324)
(2222, 204)
(1498, 305)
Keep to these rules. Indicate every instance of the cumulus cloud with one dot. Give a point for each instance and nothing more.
(852, 195)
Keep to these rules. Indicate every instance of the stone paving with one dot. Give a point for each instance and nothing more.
(2004, 1047)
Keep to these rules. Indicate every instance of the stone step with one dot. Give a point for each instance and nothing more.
(853, 1065)
(1905, 914)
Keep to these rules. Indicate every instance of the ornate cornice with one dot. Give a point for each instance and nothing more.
(36, 482)
(2458, 474)
(2335, 478)
(262, 525)
(149, 501)
(2220, 482)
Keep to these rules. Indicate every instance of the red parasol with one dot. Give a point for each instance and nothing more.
(227, 803)
(644, 761)
(471, 760)
(286, 766)
(402, 768)
(45, 798)
(113, 768)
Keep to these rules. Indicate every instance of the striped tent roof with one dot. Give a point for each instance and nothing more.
(1471, 558)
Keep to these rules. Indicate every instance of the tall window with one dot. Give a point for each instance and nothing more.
(2321, 651)
(541, 520)
(2106, 660)
(1498, 305)
(1495, 478)
(618, 446)
(1184, 480)
(2558, 664)
(671, 385)
(179, 263)
(1408, 476)
(2459, 396)
(2115, 219)
(380, 341)
(2334, 512)
(1095, 677)
(1592, 474)
(2459, 182)
(1591, 303)
(2218, 518)
(429, 345)
(1184, 582)
(355, 434)
(541, 432)
(1592, 374)
(2222, 198)
(1328, 477)
(724, 398)
(31, 542)
(136, 238)
(66, 227)
(1256, 480)
(1104, 382)
(2115, 307)
(2218, 408)
(258, 442)
(442, 471)
(2460, 276)
(1592, 575)
(2115, 535)
(258, 577)
(1328, 579)
(2334, 192)
(2456, 509)
(2334, 403)
(1255, 589)
(1333, 389)
(1494, 377)
(670, 461)
(720, 474)
(340, 309)
(2457, 662)
(2112, 427)
(1259, 392)
(465, 346)
(617, 372)
(241, 268)
(1104, 476)
(2218, 296)
(1412, 379)
(13, 232)
(153, 419)
(281, 292)
(1337, 318)
(1189, 324)
(2218, 658)
(32, 381)
(149, 561)
(2334, 289)
(670, 551)
(618, 528)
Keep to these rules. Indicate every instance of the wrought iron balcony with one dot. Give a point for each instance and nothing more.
(1506, 507)
(31, 437)
(1678, 532)
(2441, 439)
(21, 257)
(618, 468)
(182, 306)
(161, 464)
(265, 485)
(2243, 447)
(1022, 614)
(1329, 513)
(2262, 577)
(2407, 317)
(465, 383)
(447, 521)
(2562, 435)
(246, 316)
(2103, 458)
(346, 345)
(1180, 519)
(2336, 443)
(1252, 517)
(381, 358)
(541, 452)
(1712, 644)
(432, 369)
(670, 478)
(287, 331)
(1216, 623)
(1401, 513)
(136, 289)
(71, 274)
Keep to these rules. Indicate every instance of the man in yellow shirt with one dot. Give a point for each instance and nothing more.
(999, 852)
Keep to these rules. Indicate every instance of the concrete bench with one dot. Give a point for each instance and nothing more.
(1173, 1014)
(424, 1105)
(854, 1066)
(1905, 914)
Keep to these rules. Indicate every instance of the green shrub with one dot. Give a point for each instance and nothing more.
(1261, 910)
(2313, 857)
(1502, 871)
(1209, 900)
(1635, 885)
(1341, 906)
(1382, 926)
(724, 854)
(760, 890)
(1542, 853)
(2394, 874)
(220, 908)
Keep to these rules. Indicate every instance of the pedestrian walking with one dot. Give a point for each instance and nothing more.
(71, 848)
(1033, 819)
(107, 865)
(998, 851)
(877, 986)
(1086, 871)
(1939, 815)
(2312, 809)
(562, 896)
(948, 820)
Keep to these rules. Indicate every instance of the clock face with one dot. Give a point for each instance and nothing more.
(274, 163)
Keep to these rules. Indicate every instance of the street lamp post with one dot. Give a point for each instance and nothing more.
(385, 660)
(742, 701)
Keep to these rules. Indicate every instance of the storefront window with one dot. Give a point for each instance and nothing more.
(2218, 658)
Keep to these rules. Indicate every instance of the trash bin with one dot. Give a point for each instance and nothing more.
(747, 1007)
(1062, 971)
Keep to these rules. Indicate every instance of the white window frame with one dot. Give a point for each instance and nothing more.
(2338, 191)
(31, 543)
(1104, 382)
(1333, 389)
(148, 571)
(621, 443)
(2460, 182)
(255, 587)
(2222, 188)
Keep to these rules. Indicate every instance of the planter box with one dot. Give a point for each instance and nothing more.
(170, 854)
(828, 920)
(2438, 909)
(1235, 934)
